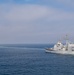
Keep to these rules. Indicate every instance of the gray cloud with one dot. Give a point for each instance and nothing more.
(31, 23)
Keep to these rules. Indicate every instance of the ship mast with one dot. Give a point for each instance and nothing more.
(67, 42)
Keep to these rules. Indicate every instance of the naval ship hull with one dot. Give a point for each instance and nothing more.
(59, 51)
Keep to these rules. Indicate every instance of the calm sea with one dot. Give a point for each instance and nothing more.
(31, 59)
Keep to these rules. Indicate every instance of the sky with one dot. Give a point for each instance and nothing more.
(36, 21)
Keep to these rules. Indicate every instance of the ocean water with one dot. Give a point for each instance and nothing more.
(31, 59)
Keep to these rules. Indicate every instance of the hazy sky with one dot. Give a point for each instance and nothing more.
(36, 21)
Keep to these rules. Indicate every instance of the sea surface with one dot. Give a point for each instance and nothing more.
(31, 59)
